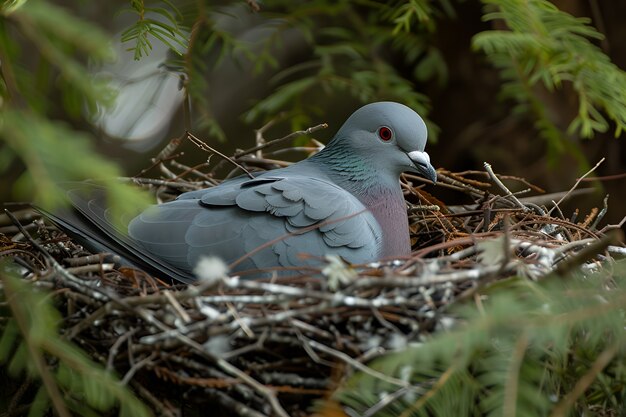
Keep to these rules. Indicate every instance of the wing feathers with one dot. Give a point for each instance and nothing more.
(237, 218)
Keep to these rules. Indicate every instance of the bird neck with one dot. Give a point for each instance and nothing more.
(347, 168)
(377, 188)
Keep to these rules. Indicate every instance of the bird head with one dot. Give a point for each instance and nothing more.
(392, 135)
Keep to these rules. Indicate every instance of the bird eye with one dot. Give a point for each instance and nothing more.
(385, 133)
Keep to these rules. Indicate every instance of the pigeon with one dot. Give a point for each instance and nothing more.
(346, 201)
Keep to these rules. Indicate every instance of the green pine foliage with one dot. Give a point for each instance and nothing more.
(363, 50)
(555, 347)
(30, 341)
(358, 51)
(159, 22)
(353, 48)
(546, 46)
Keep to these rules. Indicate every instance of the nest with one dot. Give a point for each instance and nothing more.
(275, 346)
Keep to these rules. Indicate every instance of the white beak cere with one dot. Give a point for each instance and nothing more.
(422, 163)
(420, 158)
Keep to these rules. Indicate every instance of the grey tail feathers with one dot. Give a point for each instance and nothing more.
(86, 221)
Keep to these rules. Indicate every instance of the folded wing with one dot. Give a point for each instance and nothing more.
(261, 223)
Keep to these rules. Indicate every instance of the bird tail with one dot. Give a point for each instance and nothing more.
(90, 223)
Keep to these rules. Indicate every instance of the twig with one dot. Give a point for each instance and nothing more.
(361, 367)
(576, 184)
(588, 252)
(200, 144)
(116, 346)
(179, 184)
(280, 140)
(501, 185)
(70, 279)
(137, 366)
(605, 178)
(613, 226)
(156, 403)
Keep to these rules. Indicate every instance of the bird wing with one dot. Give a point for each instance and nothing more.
(271, 221)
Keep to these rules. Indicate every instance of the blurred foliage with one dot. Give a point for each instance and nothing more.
(353, 48)
(36, 108)
(30, 341)
(41, 112)
(556, 347)
(45, 147)
(543, 45)
(375, 50)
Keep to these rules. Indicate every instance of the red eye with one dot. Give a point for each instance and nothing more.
(384, 133)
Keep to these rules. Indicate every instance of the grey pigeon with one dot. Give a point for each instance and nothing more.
(346, 200)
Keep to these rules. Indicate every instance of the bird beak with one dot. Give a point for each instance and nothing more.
(421, 160)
